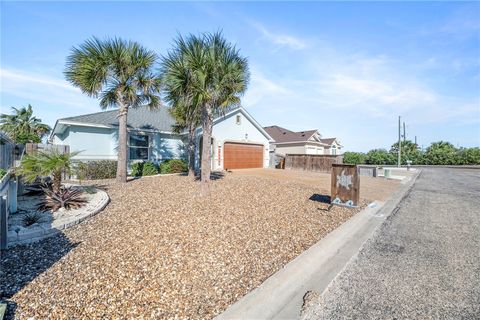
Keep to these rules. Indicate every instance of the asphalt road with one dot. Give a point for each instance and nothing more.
(424, 261)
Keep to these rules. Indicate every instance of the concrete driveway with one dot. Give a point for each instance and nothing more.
(423, 263)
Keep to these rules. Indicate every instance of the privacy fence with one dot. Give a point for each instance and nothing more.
(312, 162)
(32, 148)
(7, 152)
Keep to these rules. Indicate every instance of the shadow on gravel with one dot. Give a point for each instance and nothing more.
(322, 199)
(20, 265)
(217, 175)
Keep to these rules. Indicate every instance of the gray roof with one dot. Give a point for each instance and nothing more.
(281, 135)
(141, 118)
(328, 141)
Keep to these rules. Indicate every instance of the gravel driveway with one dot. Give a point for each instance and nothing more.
(160, 250)
(424, 263)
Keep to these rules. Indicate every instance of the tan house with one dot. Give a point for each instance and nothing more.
(302, 142)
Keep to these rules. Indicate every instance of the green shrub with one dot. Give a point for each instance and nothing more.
(3, 172)
(354, 158)
(173, 166)
(93, 170)
(149, 169)
(137, 169)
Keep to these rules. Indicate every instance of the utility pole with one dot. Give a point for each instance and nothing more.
(404, 133)
(399, 142)
(415, 140)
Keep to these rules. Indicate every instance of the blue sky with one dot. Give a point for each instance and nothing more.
(347, 69)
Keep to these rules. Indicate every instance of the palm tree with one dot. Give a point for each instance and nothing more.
(22, 126)
(119, 73)
(219, 76)
(179, 93)
(41, 164)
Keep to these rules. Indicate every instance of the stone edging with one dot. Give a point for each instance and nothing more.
(41, 232)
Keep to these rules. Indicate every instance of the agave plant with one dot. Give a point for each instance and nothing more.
(31, 218)
(66, 197)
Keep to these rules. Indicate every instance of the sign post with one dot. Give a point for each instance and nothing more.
(345, 187)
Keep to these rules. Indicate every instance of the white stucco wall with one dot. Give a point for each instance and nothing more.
(226, 129)
(92, 143)
(101, 144)
(290, 149)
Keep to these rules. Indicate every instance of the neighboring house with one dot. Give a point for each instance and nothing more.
(238, 140)
(302, 142)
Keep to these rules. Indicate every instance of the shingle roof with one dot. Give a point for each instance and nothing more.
(280, 134)
(328, 141)
(141, 118)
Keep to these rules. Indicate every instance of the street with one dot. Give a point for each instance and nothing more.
(423, 262)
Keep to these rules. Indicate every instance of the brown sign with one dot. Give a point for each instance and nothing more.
(345, 188)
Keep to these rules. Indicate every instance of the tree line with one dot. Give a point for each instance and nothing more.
(438, 153)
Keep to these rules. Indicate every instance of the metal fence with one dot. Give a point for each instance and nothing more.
(312, 162)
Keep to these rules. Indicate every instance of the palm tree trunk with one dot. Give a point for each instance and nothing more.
(191, 152)
(207, 124)
(57, 181)
(122, 144)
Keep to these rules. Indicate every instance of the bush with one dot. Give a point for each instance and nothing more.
(354, 158)
(149, 169)
(173, 166)
(144, 169)
(93, 170)
(380, 157)
(469, 156)
(137, 169)
(3, 172)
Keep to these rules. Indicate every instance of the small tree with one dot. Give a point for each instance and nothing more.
(22, 126)
(469, 156)
(354, 157)
(379, 157)
(441, 153)
(43, 164)
(410, 151)
(178, 86)
(120, 74)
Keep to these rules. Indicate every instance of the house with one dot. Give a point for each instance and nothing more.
(238, 141)
(302, 142)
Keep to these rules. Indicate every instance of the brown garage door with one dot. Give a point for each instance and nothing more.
(242, 156)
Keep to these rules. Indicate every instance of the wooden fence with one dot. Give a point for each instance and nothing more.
(7, 152)
(32, 148)
(312, 162)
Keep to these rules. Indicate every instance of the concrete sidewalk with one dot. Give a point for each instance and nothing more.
(281, 295)
(424, 263)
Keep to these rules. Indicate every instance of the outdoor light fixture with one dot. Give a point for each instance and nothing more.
(246, 136)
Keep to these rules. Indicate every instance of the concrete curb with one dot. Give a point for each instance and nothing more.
(281, 295)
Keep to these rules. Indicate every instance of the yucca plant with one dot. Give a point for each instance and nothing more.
(31, 218)
(66, 197)
(41, 164)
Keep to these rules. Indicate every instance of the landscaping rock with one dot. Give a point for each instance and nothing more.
(162, 250)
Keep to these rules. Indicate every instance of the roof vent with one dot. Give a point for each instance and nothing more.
(284, 132)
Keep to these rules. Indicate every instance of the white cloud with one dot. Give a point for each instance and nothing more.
(262, 87)
(281, 39)
(39, 87)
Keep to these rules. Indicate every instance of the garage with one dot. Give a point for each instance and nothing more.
(242, 155)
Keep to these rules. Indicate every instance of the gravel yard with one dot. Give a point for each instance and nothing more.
(161, 250)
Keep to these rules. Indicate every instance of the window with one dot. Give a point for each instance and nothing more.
(334, 150)
(238, 119)
(138, 146)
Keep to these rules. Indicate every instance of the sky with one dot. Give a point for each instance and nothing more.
(347, 69)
